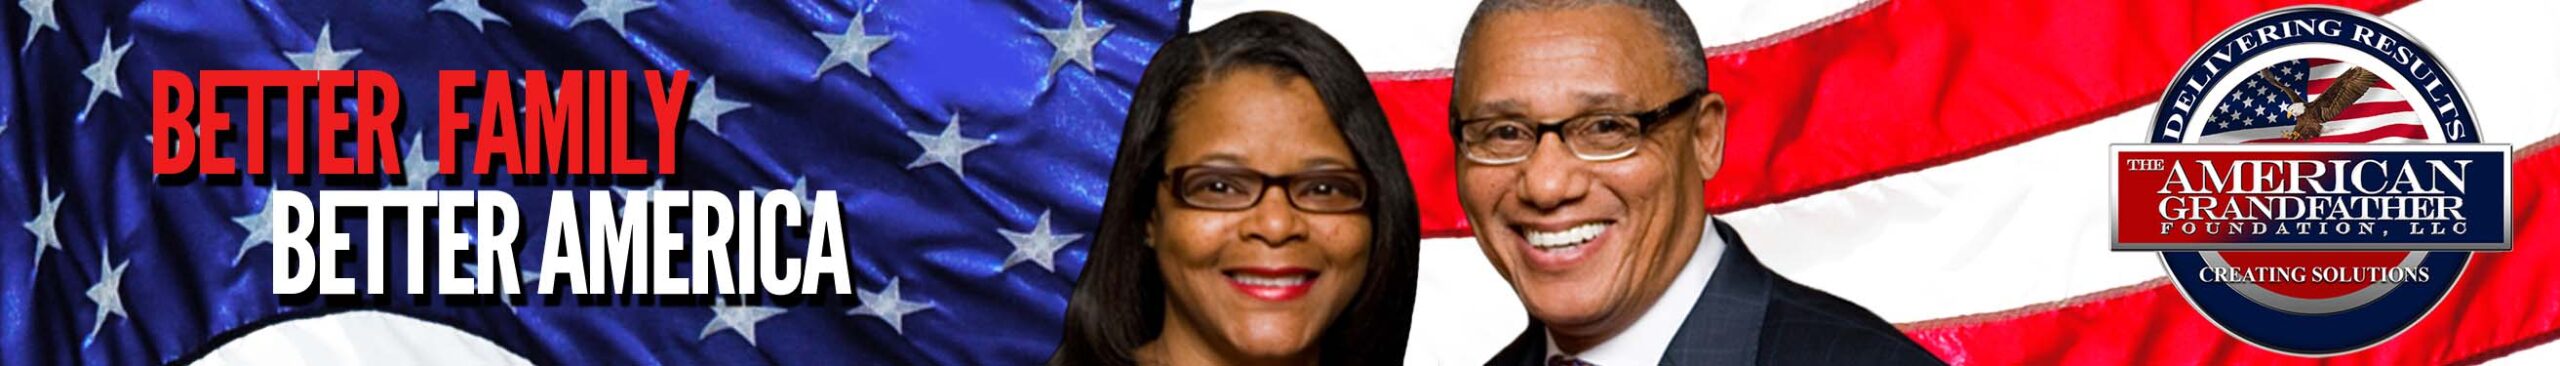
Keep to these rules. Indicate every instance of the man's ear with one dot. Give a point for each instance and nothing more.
(1708, 141)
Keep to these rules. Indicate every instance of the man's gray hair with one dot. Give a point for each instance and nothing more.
(1680, 38)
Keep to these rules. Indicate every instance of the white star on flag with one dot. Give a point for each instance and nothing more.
(324, 54)
(611, 12)
(808, 202)
(741, 318)
(258, 228)
(39, 18)
(947, 148)
(527, 277)
(108, 293)
(102, 74)
(1039, 246)
(888, 305)
(414, 166)
(707, 105)
(853, 47)
(42, 227)
(799, 187)
(650, 192)
(1075, 42)
(470, 11)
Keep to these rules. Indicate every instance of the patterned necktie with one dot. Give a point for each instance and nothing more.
(1562, 360)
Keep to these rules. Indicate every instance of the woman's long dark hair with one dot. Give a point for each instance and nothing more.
(1119, 303)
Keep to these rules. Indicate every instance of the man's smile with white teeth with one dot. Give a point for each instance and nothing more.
(1568, 238)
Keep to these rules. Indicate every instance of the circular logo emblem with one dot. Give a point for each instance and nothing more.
(2313, 182)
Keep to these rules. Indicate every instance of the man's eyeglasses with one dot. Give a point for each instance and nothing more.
(1232, 189)
(1598, 137)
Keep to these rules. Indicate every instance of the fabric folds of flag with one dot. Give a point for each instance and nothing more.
(1942, 163)
(967, 142)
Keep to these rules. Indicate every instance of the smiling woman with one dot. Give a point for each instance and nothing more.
(1259, 211)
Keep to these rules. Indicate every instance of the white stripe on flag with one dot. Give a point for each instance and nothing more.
(2026, 225)
(1996, 232)
(362, 337)
(2337, 127)
(1423, 35)
(1463, 311)
(2373, 95)
(2544, 354)
(2021, 225)
(2502, 53)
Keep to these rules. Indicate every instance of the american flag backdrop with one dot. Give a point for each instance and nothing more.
(1943, 163)
(2256, 111)
(967, 140)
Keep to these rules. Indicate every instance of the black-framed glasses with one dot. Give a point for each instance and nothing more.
(1230, 188)
(1596, 137)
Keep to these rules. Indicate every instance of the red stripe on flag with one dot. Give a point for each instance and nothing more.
(1916, 84)
(1900, 87)
(2409, 131)
(2362, 110)
(1419, 109)
(2502, 305)
(2318, 85)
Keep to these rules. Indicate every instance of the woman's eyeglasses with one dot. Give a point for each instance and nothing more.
(1231, 189)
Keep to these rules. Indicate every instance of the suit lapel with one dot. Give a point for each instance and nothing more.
(1723, 328)
(1528, 350)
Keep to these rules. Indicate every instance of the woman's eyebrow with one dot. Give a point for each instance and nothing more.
(1228, 158)
(1323, 162)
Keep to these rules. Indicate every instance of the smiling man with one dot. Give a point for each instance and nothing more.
(1586, 131)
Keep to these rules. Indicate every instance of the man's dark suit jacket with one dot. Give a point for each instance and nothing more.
(1749, 315)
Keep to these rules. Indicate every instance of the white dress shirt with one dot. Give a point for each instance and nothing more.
(1644, 342)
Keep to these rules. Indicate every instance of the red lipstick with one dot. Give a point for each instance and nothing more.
(1272, 283)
